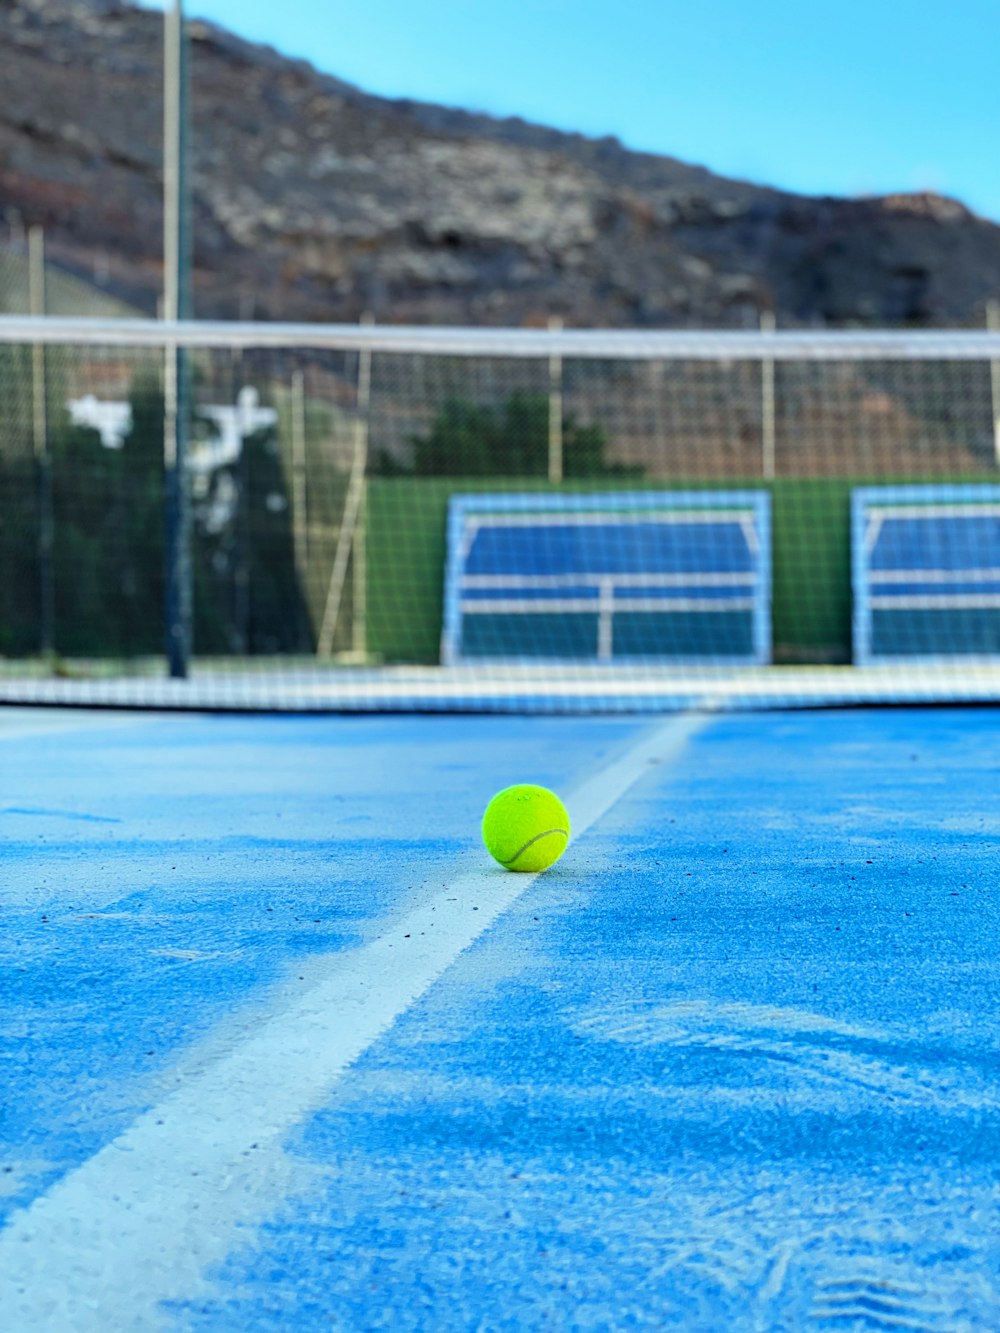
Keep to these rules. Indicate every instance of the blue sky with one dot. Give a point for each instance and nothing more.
(851, 97)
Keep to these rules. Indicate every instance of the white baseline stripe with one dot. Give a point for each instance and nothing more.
(139, 1223)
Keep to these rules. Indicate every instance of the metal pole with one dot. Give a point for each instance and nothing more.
(993, 324)
(300, 505)
(359, 603)
(767, 324)
(300, 531)
(555, 410)
(43, 456)
(16, 225)
(176, 305)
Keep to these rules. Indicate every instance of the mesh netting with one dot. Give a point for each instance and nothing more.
(384, 518)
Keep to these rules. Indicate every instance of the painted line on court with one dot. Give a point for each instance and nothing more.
(141, 1221)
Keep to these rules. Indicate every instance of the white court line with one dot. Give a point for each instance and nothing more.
(141, 1220)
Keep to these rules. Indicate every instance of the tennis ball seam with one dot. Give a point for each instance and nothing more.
(531, 841)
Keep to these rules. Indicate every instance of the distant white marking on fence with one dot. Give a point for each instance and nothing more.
(584, 578)
(957, 575)
(948, 601)
(985, 509)
(667, 517)
(602, 603)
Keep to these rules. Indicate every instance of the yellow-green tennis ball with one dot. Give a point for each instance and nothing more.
(526, 827)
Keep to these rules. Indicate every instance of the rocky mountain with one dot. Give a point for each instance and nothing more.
(314, 200)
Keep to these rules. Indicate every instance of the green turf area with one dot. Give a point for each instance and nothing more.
(810, 543)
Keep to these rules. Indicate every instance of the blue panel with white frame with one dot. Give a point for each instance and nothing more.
(650, 577)
(926, 573)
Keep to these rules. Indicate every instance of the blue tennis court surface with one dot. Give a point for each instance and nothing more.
(280, 1049)
(926, 573)
(680, 577)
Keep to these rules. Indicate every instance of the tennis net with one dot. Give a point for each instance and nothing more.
(360, 517)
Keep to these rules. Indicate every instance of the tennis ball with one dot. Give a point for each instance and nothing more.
(526, 827)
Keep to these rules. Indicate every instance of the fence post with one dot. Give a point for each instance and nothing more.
(359, 564)
(43, 455)
(767, 325)
(176, 305)
(359, 544)
(352, 523)
(555, 410)
(300, 521)
(300, 504)
(993, 324)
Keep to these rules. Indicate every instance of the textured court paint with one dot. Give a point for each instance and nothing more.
(737, 1069)
(719, 1072)
(17, 724)
(164, 1195)
(223, 858)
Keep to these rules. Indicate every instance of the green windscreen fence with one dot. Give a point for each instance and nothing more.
(311, 518)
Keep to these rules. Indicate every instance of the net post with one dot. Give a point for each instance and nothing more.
(176, 305)
(40, 440)
(767, 325)
(555, 409)
(993, 324)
